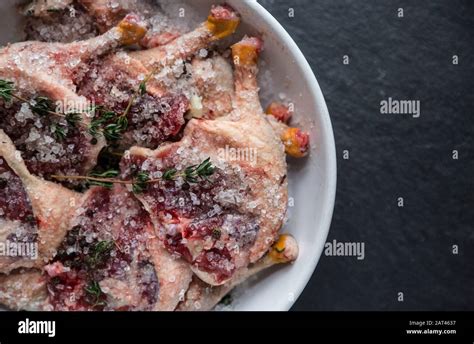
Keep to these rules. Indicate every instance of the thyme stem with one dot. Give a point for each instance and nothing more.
(139, 91)
(24, 100)
(191, 174)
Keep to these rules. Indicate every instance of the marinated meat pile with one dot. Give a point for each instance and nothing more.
(118, 163)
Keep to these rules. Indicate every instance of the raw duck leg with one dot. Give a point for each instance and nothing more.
(72, 20)
(51, 70)
(222, 223)
(214, 82)
(157, 114)
(203, 297)
(41, 210)
(101, 240)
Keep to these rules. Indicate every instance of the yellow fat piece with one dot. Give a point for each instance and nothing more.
(278, 249)
(292, 147)
(221, 28)
(245, 55)
(131, 33)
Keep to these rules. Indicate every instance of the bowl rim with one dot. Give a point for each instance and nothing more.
(329, 149)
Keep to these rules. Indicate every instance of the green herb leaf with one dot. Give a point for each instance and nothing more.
(72, 118)
(112, 131)
(59, 132)
(105, 175)
(108, 115)
(190, 174)
(94, 128)
(102, 248)
(202, 171)
(140, 182)
(42, 106)
(93, 289)
(142, 88)
(123, 123)
(100, 124)
(170, 174)
(6, 90)
(99, 253)
(94, 295)
(205, 169)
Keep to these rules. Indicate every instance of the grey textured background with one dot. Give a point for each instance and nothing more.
(408, 249)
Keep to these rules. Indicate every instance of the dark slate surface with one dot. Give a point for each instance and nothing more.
(408, 249)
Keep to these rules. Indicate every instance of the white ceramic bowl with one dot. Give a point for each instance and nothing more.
(312, 181)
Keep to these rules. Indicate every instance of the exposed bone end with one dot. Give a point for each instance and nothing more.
(222, 21)
(280, 111)
(131, 29)
(296, 142)
(246, 52)
(196, 109)
(285, 250)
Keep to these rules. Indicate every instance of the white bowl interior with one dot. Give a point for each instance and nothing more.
(284, 71)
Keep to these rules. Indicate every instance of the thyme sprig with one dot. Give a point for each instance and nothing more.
(105, 176)
(97, 258)
(94, 295)
(40, 105)
(140, 91)
(99, 253)
(192, 174)
(202, 171)
(6, 90)
(141, 182)
(113, 131)
(102, 124)
(59, 132)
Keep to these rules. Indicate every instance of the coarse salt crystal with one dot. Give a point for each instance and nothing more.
(203, 53)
